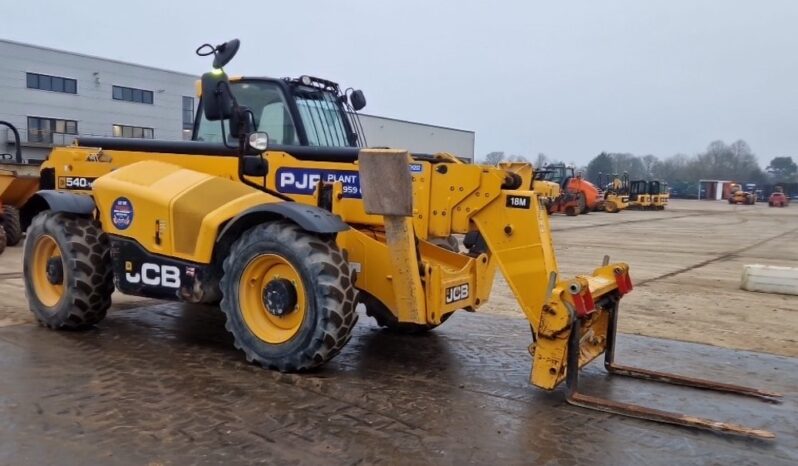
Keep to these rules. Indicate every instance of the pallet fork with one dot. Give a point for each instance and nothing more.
(576, 398)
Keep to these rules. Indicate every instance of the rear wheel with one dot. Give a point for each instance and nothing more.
(67, 270)
(289, 297)
(11, 225)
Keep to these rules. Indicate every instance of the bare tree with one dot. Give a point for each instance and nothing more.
(648, 163)
(493, 158)
(541, 160)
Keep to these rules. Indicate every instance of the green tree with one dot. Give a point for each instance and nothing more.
(782, 169)
(601, 163)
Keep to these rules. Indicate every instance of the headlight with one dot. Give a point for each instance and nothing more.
(259, 141)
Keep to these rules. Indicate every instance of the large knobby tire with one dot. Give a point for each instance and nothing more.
(2, 239)
(12, 225)
(67, 270)
(289, 297)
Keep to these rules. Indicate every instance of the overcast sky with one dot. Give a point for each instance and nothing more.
(569, 79)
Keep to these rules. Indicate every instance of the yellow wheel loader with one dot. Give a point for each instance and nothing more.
(288, 238)
(739, 196)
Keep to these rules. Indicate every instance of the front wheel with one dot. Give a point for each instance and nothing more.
(289, 297)
(67, 270)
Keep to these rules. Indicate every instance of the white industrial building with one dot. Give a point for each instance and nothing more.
(53, 96)
(417, 137)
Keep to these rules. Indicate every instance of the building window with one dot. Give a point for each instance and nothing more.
(130, 94)
(52, 83)
(188, 112)
(42, 129)
(124, 131)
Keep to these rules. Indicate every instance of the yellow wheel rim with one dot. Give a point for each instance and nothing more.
(265, 325)
(48, 293)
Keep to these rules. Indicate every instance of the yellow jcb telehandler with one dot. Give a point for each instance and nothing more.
(288, 238)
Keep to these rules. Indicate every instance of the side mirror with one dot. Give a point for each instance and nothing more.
(225, 53)
(217, 102)
(254, 165)
(357, 100)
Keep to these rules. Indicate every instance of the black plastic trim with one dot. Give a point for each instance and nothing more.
(309, 218)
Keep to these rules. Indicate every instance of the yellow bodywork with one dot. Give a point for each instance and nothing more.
(546, 190)
(659, 201)
(183, 201)
(16, 189)
(614, 203)
(643, 201)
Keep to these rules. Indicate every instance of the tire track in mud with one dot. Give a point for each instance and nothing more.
(719, 258)
(645, 220)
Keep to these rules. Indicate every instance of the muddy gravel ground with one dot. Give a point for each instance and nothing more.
(687, 262)
(161, 384)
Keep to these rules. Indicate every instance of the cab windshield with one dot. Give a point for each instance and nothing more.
(319, 110)
(321, 116)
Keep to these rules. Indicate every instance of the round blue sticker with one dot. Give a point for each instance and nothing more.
(122, 213)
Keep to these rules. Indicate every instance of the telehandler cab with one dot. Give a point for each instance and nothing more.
(289, 238)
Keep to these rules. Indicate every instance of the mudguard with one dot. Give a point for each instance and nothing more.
(309, 218)
(56, 201)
